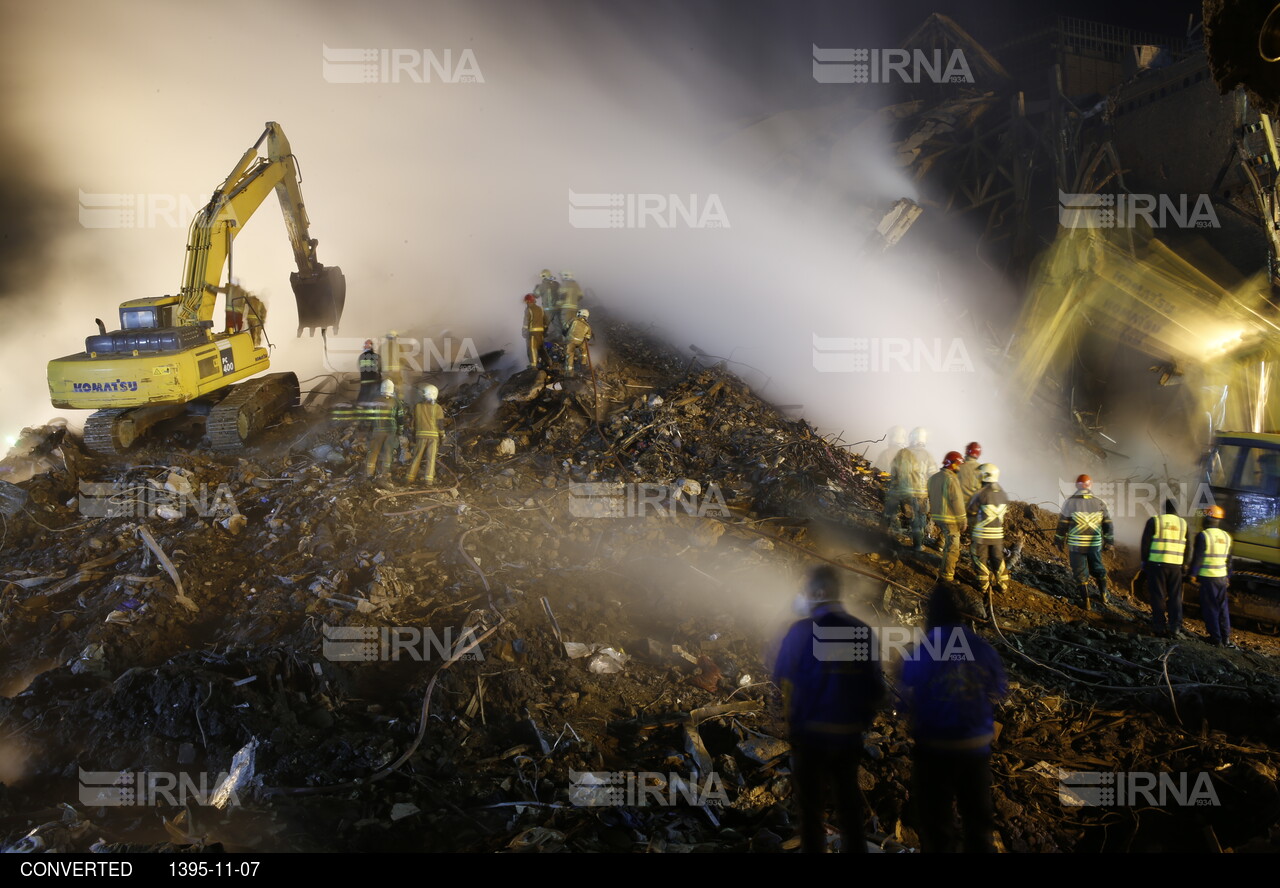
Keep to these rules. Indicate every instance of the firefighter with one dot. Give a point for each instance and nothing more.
(570, 301)
(578, 335)
(897, 439)
(1211, 565)
(427, 419)
(534, 328)
(387, 416)
(1164, 555)
(919, 437)
(908, 486)
(947, 509)
(970, 482)
(548, 291)
(1085, 526)
(370, 365)
(986, 511)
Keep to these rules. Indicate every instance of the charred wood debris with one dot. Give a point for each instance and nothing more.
(559, 639)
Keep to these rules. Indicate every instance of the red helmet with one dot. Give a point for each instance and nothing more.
(952, 459)
(1084, 482)
(529, 297)
(973, 449)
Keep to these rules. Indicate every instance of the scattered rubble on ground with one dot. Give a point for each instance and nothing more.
(233, 619)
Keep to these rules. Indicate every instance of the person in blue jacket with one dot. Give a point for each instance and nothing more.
(831, 684)
(950, 685)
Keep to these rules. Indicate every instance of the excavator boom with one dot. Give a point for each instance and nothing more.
(320, 291)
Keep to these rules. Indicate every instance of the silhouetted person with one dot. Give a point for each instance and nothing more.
(831, 687)
(950, 686)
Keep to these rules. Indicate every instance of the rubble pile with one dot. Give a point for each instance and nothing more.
(530, 655)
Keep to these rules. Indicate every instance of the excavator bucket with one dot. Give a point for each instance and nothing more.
(320, 297)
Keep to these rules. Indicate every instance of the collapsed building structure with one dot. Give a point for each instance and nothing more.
(281, 656)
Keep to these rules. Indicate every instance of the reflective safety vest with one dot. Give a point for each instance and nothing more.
(946, 503)
(426, 419)
(990, 525)
(1217, 549)
(1086, 526)
(549, 294)
(1169, 542)
(579, 331)
(570, 295)
(370, 365)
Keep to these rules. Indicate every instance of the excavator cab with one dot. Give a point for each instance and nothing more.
(320, 296)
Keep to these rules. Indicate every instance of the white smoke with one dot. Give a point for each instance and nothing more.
(441, 201)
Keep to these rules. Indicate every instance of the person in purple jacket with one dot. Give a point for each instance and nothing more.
(832, 685)
(950, 685)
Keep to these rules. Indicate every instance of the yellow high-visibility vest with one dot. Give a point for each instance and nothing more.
(1169, 543)
(1217, 549)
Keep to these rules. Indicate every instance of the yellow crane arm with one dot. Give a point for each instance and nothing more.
(320, 291)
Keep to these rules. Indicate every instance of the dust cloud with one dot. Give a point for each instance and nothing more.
(442, 200)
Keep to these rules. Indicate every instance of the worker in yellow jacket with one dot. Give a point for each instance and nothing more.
(428, 416)
(948, 509)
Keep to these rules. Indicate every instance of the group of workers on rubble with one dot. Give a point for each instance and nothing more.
(389, 419)
(554, 323)
(950, 683)
(554, 319)
(965, 495)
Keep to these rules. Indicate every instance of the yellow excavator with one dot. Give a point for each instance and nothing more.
(1220, 343)
(167, 360)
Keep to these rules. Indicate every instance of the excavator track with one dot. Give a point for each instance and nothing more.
(249, 409)
(102, 432)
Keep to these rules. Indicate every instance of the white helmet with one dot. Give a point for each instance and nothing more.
(583, 313)
(566, 275)
(546, 274)
(898, 436)
(430, 392)
(388, 387)
(919, 436)
(988, 472)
